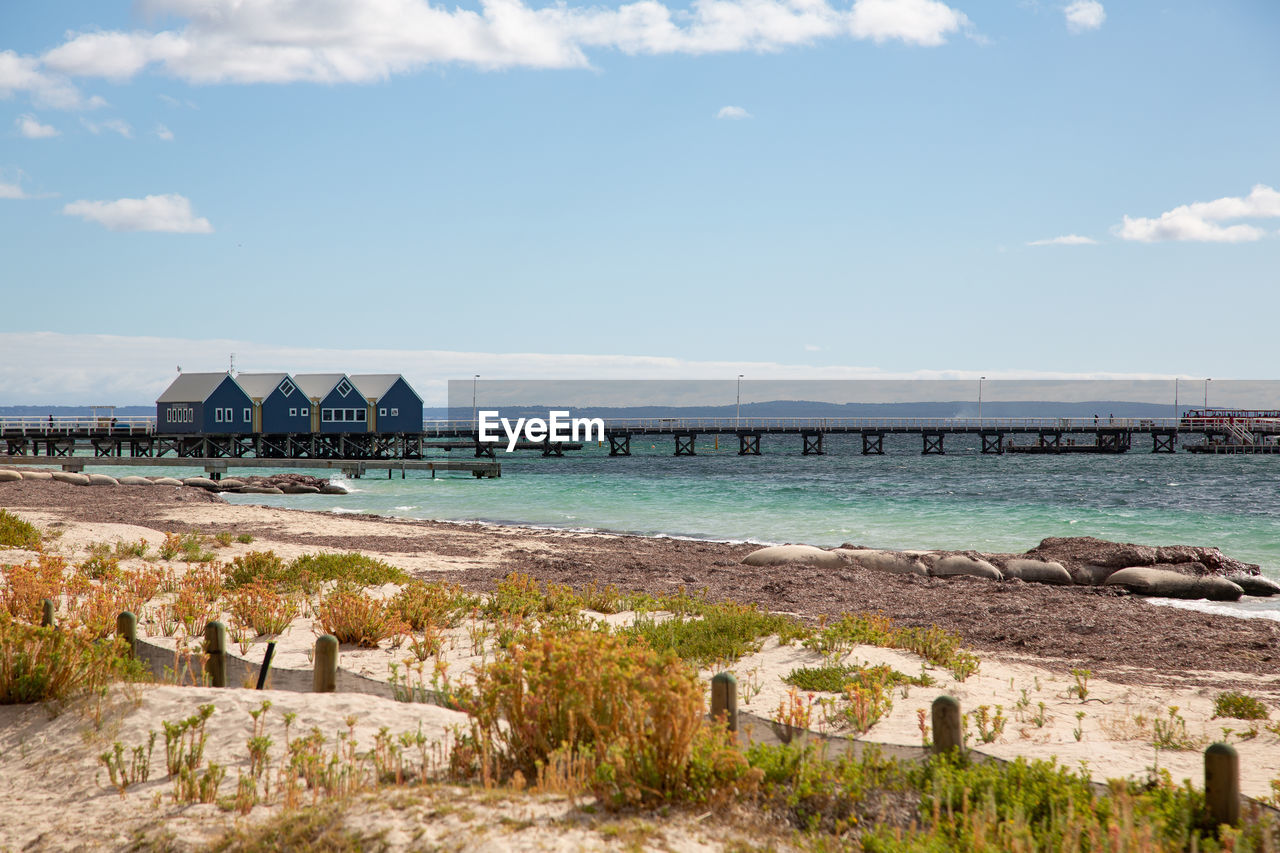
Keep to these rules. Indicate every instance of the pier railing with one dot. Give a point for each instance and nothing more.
(731, 424)
(146, 425)
(67, 424)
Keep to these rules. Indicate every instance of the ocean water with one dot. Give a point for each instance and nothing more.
(899, 500)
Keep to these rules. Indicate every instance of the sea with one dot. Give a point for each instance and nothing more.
(903, 499)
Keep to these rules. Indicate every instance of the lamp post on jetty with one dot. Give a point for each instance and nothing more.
(475, 380)
(980, 381)
(1206, 392)
(737, 414)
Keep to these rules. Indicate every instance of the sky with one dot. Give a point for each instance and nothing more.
(817, 189)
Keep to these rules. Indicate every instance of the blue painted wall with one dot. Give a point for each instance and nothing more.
(408, 406)
(352, 406)
(228, 395)
(282, 414)
(179, 417)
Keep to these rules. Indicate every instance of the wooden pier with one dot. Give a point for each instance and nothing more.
(137, 438)
(217, 467)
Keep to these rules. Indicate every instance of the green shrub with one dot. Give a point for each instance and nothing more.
(722, 632)
(260, 567)
(17, 533)
(832, 678)
(26, 586)
(41, 664)
(349, 567)
(939, 647)
(1239, 706)
(354, 617)
(623, 718)
(423, 604)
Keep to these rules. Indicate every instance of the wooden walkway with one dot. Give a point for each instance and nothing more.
(216, 467)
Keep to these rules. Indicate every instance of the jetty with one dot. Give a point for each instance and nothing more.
(137, 438)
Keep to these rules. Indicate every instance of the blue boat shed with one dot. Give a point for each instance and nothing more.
(393, 404)
(336, 405)
(212, 403)
(279, 406)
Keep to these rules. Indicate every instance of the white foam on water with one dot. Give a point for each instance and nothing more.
(1257, 608)
(336, 479)
(337, 510)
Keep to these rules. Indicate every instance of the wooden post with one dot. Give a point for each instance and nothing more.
(724, 699)
(266, 661)
(946, 725)
(127, 629)
(215, 648)
(46, 613)
(1222, 784)
(325, 678)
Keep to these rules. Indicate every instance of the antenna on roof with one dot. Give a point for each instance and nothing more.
(232, 369)
(179, 368)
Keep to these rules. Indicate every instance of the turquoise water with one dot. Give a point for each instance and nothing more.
(899, 500)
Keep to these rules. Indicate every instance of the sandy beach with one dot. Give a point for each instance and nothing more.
(1146, 664)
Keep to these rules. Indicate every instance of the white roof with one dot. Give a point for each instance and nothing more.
(317, 385)
(260, 385)
(192, 387)
(373, 385)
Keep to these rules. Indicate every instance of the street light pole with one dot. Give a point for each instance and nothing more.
(475, 380)
(737, 415)
(1206, 396)
(1175, 402)
(980, 380)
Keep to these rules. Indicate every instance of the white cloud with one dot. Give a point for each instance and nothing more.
(1065, 240)
(164, 133)
(131, 370)
(23, 74)
(733, 113)
(1084, 15)
(30, 127)
(11, 185)
(1201, 221)
(169, 213)
(266, 41)
(812, 348)
(114, 125)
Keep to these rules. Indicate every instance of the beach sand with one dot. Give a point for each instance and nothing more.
(1143, 660)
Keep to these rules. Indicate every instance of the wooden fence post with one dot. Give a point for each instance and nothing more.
(325, 679)
(724, 699)
(1222, 784)
(946, 725)
(215, 647)
(127, 629)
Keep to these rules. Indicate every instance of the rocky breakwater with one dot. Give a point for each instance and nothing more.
(1169, 571)
(276, 484)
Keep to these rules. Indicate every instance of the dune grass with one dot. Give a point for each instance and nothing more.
(18, 533)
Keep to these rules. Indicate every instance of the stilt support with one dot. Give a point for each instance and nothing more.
(873, 444)
(684, 444)
(993, 442)
(1051, 439)
(620, 445)
(552, 448)
(484, 451)
(748, 444)
(1164, 442)
(813, 444)
(933, 444)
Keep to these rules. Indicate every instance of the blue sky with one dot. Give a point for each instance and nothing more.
(810, 189)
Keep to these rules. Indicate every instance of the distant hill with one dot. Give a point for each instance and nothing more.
(72, 411)
(814, 409)
(773, 409)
